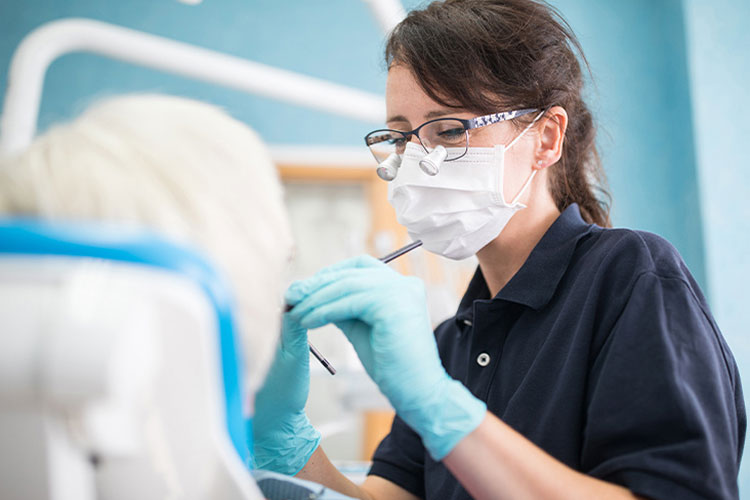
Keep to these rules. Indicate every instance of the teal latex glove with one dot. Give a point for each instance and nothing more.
(384, 316)
(283, 437)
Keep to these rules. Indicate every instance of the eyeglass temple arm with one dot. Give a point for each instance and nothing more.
(481, 121)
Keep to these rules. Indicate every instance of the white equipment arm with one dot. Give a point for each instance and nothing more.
(388, 13)
(45, 44)
(111, 385)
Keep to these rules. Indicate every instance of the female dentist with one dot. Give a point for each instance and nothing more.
(583, 361)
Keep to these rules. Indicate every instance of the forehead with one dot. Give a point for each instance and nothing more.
(405, 98)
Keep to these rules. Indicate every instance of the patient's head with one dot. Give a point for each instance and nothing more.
(181, 167)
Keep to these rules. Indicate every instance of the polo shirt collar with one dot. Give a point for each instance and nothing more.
(535, 283)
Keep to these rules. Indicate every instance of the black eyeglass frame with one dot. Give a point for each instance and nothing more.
(469, 124)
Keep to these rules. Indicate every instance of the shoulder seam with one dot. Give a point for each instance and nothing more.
(645, 246)
(709, 319)
(706, 315)
(648, 249)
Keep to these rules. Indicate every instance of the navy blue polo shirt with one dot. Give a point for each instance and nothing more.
(601, 350)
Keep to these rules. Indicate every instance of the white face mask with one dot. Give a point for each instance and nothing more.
(458, 211)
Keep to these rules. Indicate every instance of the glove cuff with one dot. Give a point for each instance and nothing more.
(445, 416)
(287, 449)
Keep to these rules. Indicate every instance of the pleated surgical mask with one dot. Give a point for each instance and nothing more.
(460, 210)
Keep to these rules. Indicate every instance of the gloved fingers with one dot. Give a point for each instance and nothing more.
(343, 308)
(356, 279)
(360, 261)
(293, 335)
(345, 283)
(358, 334)
(300, 289)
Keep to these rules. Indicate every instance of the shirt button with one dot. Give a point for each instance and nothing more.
(483, 359)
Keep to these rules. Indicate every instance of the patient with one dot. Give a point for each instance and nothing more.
(183, 168)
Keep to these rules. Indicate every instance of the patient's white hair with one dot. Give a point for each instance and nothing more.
(183, 168)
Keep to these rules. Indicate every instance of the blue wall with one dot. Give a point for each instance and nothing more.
(641, 96)
(638, 60)
(718, 43)
(298, 36)
(669, 95)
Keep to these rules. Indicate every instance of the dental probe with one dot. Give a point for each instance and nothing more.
(385, 260)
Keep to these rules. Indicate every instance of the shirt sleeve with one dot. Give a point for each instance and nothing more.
(665, 416)
(399, 458)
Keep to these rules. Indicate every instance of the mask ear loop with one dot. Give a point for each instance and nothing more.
(525, 186)
(533, 172)
(526, 129)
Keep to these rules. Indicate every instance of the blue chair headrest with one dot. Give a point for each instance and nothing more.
(27, 236)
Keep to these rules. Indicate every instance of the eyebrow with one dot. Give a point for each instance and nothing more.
(439, 113)
(429, 116)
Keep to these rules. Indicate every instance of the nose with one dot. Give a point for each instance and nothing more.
(414, 139)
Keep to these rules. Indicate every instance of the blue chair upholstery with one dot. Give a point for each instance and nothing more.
(33, 237)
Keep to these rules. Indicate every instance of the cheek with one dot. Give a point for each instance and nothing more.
(487, 137)
(518, 160)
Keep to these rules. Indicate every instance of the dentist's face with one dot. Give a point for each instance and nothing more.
(408, 106)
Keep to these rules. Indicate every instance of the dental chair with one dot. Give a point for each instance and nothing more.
(120, 371)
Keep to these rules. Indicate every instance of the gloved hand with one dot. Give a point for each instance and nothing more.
(283, 437)
(384, 316)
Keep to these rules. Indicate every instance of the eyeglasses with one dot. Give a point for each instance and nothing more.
(451, 133)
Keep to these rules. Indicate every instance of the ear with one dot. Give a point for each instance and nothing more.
(551, 129)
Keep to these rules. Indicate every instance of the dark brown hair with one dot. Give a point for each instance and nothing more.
(496, 55)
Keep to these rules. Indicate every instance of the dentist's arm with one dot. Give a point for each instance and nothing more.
(320, 469)
(384, 316)
(284, 441)
(495, 461)
(283, 438)
(491, 458)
